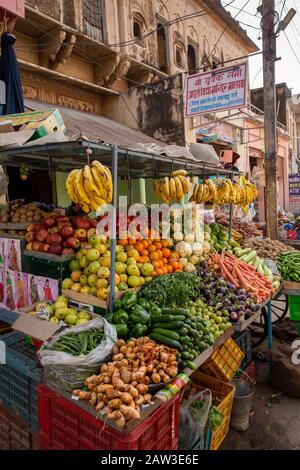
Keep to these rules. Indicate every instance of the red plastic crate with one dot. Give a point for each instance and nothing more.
(65, 426)
(14, 433)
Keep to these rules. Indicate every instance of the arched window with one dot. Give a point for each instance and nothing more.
(191, 58)
(162, 48)
(138, 28)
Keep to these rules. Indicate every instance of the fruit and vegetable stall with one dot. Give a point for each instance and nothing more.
(119, 338)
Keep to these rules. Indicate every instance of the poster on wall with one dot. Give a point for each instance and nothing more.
(47, 289)
(294, 193)
(12, 254)
(10, 294)
(32, 289)
(217, 90)
(21, 289)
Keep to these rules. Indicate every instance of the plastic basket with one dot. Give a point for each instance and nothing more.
(20, 376)
(294, 306)
(63, 425)
(37, 266)
(243, 340)
(222, 392)
(14, 434)
(224, 361)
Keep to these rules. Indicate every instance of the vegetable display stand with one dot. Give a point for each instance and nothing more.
(243, 340)
(224, 361)
(38, 264)
(20, 376)
(222, 393)
(63, 425)
(14, 433)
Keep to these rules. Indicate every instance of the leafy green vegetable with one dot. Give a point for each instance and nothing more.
(215, 418)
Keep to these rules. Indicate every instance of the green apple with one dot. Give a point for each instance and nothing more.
(94, 266)
(61, 313)
(120, 268)
(122, 286)
(93, 290)
(84, 262)
(54, 320)
(131, 261)
(92, 279)
(62, 298)
(133, 281)
(74, 265)
(67, 283)
(50, 310)
(81, 321)
(121, 256)
(40, 306)
(83, 280)
(103, 272)
(85, 290)
(101, 248)
(84, 314)
(93, 254)
(147, 269)
(93, 240)
(119, 248)
(87, 271)
(73, 310)
(59, 305)
(133, 270)
(70, 319)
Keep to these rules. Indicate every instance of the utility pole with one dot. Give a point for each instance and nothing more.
(270, 119)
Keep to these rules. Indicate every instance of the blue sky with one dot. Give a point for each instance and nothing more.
(288, 68)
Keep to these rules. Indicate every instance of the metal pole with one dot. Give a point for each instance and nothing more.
(270, 121)
(230, 214)
(113, 239)
(270, 338)
(142, 186)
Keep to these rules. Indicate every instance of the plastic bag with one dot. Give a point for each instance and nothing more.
(70, 371)
(192, 420)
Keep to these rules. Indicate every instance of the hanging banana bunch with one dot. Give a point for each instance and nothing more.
(225, 191)
(173, 187)
(90, 187)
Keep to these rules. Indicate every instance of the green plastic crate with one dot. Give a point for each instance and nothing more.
(294, 305)
(42, 267)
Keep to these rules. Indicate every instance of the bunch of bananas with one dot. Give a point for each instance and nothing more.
(90, 187)
(238, 237)
(225, 191)
(173, 187)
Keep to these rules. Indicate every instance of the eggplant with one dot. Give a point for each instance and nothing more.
(248, 313)
(234, 298)
(234, 317)
(243, 297)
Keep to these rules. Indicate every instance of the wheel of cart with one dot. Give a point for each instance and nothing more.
(259, 328)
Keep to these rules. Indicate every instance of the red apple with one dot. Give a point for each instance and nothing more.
(55, 249)
(32, 227)
(80, 233)
(53, 239)
(30, 236)
(82, 222)
(44, 247)
(50, 222)
(72, 242)
(28, 247)
(64, 224)
(62, 218)
(41, 235)
(67, 231)
(53, 230)
(90, 232)
(93, 223)
(68, 251)
(36, 245)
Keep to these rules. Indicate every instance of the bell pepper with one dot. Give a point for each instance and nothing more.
(122, 330)
(120, 316)
(118, 304)
(137, 312)
(155, 313)
(144, 303)
(138, 330)
(128, 300)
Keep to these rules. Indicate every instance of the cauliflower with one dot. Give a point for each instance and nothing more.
(183, 261)
(184, 249)
(178, 236)
(194, 259)
(206, 247)
(190, 237)
(189, 268)
(197, 248)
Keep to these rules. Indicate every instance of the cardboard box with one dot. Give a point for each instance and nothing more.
(39, 329)
(6, 126)
(41, 123)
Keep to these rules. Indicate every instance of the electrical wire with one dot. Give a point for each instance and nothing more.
(225, 29)
(293, 50)
(244, 11)
(283, 7)
(294, 30)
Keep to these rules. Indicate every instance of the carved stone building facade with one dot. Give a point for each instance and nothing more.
(83, 53)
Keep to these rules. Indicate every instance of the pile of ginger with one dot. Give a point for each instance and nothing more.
(122, 385)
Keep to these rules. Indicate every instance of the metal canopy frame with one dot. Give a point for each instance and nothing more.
(64, 156)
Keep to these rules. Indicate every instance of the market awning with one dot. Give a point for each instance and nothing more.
(95, 127)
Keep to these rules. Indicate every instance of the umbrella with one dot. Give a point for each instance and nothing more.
(10, 75)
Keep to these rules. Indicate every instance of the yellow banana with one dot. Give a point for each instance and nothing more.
(97, 201)
(179, 173)
(85, 207)
(101, 189)
(166, 187)
(109, 184)
(70, 185)
(179, 190)
(184, 183)
(193, 196)
(172, 189)
(199, 193)
(79, 188)
(88, 182)
(102, 174)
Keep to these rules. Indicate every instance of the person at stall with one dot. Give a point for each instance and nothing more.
(33, 291)
(47, 292)
(21, 294)
(10, 303)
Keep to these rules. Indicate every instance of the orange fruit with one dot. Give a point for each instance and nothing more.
(130, 247)
(147, 259)
(154, 256)
(123, 242)
(141, 260)
(164, 243)
(174, 255)
(166, 252)
(169, 268)
(146, 243)
(131, 241)
(145, 252)
(165, 260)
(151, 248)
(139, 247)
(161, 263)
(174, 265)
(159, 271)
(155, 264)
(160, 254)
(165, 270)
(158, 245)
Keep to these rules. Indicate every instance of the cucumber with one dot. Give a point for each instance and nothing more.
(182, 331)
(178, 318)
(185, 339)
(186, 355)
(167, 341)
(169, 333)
(180, 311)
(191, 365)
(168, 325)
